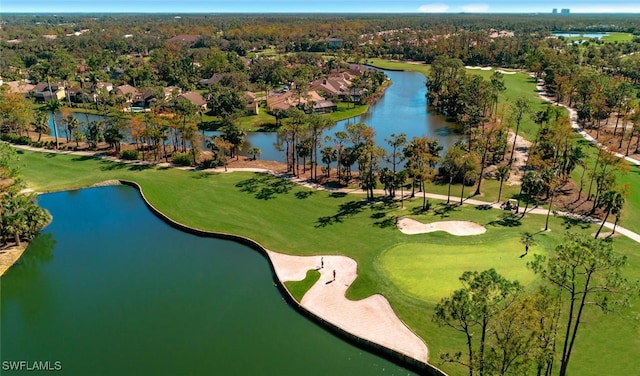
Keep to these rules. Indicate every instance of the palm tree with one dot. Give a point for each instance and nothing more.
(78, 136)
(72, 124)
(40, 124)
(502, 174)
(221, 147)
(451, 163)
(53, 106)
(255, 152)
(329, 154)
(520, 107)
(235, 136)
(469, 169)
(612, 201)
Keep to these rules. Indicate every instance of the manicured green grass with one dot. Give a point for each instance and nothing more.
(347, 111)
(299, 288)
(425, 271)
(249, 123)
(288, 218)
(399, 65)
(264, 121)
(618, 37)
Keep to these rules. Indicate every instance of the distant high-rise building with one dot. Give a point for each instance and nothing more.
(554, 11)
(564, 11)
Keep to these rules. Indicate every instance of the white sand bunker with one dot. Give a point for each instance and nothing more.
(459, 228)
(505, 72)
(371, 318)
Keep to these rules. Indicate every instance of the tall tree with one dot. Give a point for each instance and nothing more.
(470, 164)
(587, 273)
(422, 155)
(236, 136)
(612, 202)
(519, 108)
(502, 174)
(451, 164)
(40, 123)
(471, 311)
(394, 157)
(54, 106)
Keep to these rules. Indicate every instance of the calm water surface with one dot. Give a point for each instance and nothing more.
(582, 35)
(109, 289)
(83, 120)
(402, 109)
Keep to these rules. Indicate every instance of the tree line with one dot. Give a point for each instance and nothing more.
(20, 216)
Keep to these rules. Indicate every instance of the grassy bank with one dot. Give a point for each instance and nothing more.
(265, 122)
(291, 219)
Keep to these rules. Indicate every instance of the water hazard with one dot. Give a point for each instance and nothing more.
(109, 289)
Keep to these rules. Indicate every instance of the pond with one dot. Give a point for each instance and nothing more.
(83, 120)
(581, 35)
(402, 108)
(109, 289)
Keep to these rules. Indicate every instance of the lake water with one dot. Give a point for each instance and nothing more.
(83, 120)
(403, 108)
(581, 35)
(109, 289)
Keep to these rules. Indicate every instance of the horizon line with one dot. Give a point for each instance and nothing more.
(307, 13)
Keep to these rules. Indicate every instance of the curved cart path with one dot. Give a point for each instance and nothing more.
(573, 116)
(371, 318)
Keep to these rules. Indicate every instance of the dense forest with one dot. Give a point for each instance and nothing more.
(98, 41)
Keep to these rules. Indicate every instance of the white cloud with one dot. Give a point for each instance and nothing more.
(433, 8)
(475, 8)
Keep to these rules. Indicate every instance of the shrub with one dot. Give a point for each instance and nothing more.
(130, 155)
(211, 163)
(181, 159)
(15, 139)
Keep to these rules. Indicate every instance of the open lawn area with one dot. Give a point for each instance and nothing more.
(291, 219)
(264, 121)
(618, 37)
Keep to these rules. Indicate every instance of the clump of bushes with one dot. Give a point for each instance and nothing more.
(181, 159)
(130, 155)
(16, 139)
(211, 163)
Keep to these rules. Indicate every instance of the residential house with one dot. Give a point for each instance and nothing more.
(253, 105)
(45, 92)
(108, 86)
(135, 98)
(357, 69)
(21, 87)
(171, 91)
(185, 39)
(338, 86)
(324, 107)
(334, 43)
(195, 98)
(290, 99)
(214, 79)
(127, 91)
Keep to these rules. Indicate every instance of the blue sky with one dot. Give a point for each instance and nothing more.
(315, 6)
